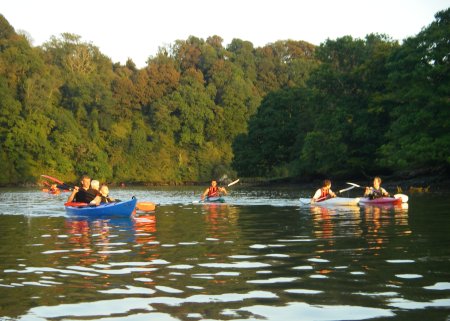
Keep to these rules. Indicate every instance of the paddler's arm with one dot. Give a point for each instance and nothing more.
(223, 190)
(316, 196)
(205, 193)
(332, 194)
(96, 200)
(72, 195)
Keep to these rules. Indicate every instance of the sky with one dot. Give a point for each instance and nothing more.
(135, 29)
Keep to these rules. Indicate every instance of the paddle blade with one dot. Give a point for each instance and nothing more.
(145, 206)
(353, 184)
(346, 189)
(53, 179)
(232, 183)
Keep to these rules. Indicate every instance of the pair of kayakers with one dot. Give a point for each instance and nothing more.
(372, 192)
(90, 192)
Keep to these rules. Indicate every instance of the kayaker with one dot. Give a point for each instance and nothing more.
(214, 190)
(54, 189)
(376, 190)
(85, 194)
(324, 192)
(103, 196)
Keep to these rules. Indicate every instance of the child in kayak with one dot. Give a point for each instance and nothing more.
(324, 192)
(103, 196)
(376, 191)
(214, 190)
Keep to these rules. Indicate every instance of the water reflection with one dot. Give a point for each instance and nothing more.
(224, 262)
(332, 221)
(379, 219)
(221, 220)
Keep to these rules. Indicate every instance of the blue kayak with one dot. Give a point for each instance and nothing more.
(123, 209)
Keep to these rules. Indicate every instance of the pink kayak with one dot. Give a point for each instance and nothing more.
(381, 201)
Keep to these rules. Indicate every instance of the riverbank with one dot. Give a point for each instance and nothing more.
(424, 180)
(430, 179)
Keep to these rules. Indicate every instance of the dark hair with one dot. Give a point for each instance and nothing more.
(85, 176)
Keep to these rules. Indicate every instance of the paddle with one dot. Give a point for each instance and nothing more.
(402, 196)
(60, 184)
(234, 182)
(66, 186)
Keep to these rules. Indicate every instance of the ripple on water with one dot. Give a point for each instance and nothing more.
(181, 266)
(302, 291)
(438, 286)
(400, 261)
(414, 305)
(273, 280)
(303, 267)
(293, 310)
(168, 289)
(129, 290)
(236, 265)
(409, 276)
(318, 260)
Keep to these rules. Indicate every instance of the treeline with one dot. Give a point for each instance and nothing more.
(67, 109)
(372, 106)
(200, 110)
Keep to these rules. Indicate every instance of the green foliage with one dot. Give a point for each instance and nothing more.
(198, 110)
(272, 134)
(370, 106)
(419, 91)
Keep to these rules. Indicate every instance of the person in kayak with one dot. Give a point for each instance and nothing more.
(214, 190)
(103, 196)
(54, 189)
(324, 192)
(95, 184)
(83, 194)
(376, 191)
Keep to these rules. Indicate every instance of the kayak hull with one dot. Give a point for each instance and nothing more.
(335, 201)
(380, 201)
(119, 209)
(218, 199)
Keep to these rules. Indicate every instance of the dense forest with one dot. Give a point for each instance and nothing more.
(199, 110)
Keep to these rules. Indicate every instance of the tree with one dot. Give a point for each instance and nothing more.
(419, 86)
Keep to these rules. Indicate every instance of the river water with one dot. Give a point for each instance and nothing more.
(260, 256)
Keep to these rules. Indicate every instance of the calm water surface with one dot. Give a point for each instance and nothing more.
(259, 257)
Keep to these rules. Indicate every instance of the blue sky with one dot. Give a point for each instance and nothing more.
(137, 28)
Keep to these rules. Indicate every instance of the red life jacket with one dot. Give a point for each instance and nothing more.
(213, 191)
(324, 193)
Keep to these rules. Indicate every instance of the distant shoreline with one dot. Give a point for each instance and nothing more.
(434, 182)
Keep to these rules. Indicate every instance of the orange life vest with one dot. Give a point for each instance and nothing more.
(213, 191)
(324, 193)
